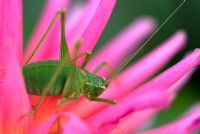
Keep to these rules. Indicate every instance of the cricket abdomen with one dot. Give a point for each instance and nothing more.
(38, 74)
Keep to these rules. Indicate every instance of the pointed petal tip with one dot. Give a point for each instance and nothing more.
(147, 22)
(94, 23)
(188, 123)
(196, 52)
(182, 31)
(182, 34)
(148, 19)
(179, 39)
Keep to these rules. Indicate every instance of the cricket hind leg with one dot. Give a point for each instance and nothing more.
(64, 52)
(101, 65)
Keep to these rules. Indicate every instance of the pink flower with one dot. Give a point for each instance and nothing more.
(137, 100)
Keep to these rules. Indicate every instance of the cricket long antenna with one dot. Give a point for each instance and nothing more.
(125, 62)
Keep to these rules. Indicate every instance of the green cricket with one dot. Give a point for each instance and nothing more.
(62, 77)
(65, 78)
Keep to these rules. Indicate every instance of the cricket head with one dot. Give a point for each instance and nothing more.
(95, 86)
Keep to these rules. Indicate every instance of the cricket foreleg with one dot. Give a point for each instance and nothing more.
(87, 58)
(101, 65)
(76, 47)
(86, 53)
(103, 100)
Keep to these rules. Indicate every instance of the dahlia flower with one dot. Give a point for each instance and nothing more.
(137, 100)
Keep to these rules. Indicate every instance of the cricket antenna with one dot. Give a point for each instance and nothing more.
(125, 62)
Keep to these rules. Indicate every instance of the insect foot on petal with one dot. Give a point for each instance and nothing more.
(2, 73)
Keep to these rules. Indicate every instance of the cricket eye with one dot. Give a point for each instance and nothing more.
(102, 87)
(87, 83)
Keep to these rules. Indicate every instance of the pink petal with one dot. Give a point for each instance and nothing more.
(122, 44)
(187, 124)
(72, 125)
(154, 94)
(76, 27)
(176, 72)
(135, 75)
(75, 126)
(132, 122)
(74, 17)
(180, 83)
(111, 116)
(171, 76)
(14, 102)
(50, 46)
(10, 28)
(93, 24)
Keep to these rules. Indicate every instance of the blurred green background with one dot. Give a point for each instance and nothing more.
(187, 18)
